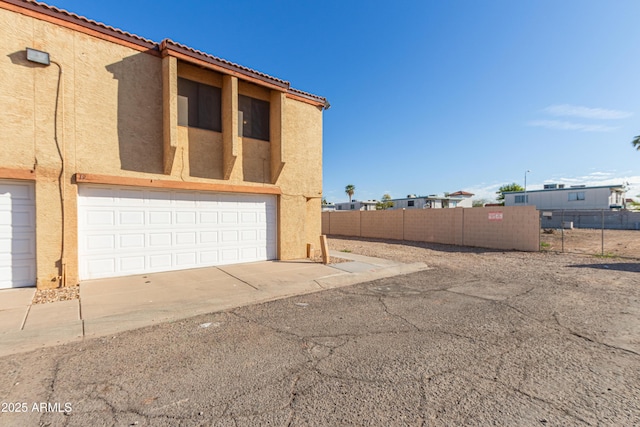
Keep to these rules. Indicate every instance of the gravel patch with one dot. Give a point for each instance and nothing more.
(45, 296)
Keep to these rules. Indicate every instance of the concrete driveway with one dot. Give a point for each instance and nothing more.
(437, 347)
(108, 306)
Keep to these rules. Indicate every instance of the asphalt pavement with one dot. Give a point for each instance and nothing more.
(428, 348)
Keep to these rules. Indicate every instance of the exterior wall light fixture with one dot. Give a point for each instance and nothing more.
(38, 56)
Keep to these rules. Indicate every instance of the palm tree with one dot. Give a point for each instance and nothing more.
(350, 189)
(636, 142)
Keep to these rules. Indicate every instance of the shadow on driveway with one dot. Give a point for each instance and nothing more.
(633, 267)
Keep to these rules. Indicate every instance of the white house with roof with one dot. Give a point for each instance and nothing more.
(459, 199)
(574, 197)
(356, 205)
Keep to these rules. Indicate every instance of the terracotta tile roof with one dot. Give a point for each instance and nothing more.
(310, 96)
(108, 30)
(223, 62)
(80, 20)
(461, 193)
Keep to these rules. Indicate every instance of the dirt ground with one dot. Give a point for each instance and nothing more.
(607, 287)
(623, 243)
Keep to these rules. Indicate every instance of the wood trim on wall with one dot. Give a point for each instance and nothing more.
(305, 100)
(87, 178)
(10, 173)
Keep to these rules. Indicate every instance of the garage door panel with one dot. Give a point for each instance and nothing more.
(230, 236)
(229, 217)
(132, 264)
(186, 238)
(159, 218)
(186, 259)
(21, 273)
(249, 253)
(186, 218)
(131, 218)
(171, 230)
(208, 217)
(208, 237)
(98, 196)
(130, 197)
(97, 243)
(97, 218)
(249, 218)
(16, 193)
(130, 241)
(100, 267)
(249, 235)
(186, 199)
(160, 262)
(229, 256)
(160, 240)
(158, 198)
(17, 234)
(209, 257)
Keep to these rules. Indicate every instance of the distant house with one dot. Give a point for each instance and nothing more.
(328, 207)
(459, 199)
(356, 205)
(464, 197)
(575, 197)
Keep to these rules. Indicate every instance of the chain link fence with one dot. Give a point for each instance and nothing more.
(595, 232)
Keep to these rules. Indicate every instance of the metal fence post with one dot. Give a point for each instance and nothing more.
(462, 227)
(602, 232)
(539, 230)
(562, 229)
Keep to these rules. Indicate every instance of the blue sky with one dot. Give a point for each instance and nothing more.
(434, 96)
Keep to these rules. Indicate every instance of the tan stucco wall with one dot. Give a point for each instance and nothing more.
(110, 121)
(518, 228)
(301, 177)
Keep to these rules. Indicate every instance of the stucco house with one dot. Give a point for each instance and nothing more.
(574, 197)
(356, 205)
(122, 155)
(459, 199)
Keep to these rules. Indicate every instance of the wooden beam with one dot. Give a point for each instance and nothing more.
(11, 173)
(86, 178)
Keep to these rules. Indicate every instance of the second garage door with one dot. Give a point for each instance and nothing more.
(127, 230)
(17, 234)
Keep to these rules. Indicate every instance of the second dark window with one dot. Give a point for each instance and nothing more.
(199, 105)
(255, 117)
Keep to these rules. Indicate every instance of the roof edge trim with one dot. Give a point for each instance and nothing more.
(170, 48)
(71, 20)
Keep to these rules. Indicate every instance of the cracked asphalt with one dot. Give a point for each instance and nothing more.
(472, 345)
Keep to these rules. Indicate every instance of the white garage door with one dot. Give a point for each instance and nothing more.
(127, 230)
(17, 234)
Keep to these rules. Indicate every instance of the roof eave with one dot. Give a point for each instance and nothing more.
(56, 15)
(71, 20)
(171, 48)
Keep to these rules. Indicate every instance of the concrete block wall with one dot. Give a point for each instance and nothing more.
(434, 225)
(508, 228)
(516, 228)
(347, 225)
(382, 224)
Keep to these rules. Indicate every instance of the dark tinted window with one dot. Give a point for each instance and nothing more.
(202, 103)
(255, 117)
